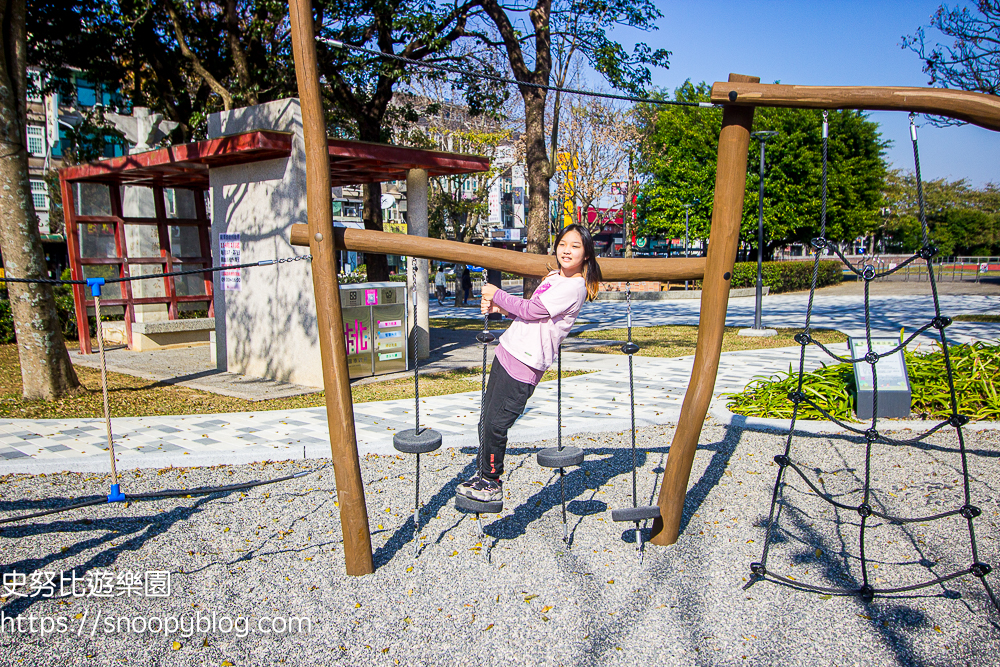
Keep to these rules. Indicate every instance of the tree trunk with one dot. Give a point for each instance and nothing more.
(377, 265)
(539, 173)
(46, 371)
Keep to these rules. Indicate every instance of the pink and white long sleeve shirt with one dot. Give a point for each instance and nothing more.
(540, 324)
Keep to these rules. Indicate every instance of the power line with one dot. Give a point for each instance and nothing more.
(499, 79)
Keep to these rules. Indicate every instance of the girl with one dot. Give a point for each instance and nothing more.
(528, 348)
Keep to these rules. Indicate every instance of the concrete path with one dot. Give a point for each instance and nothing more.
(597, 402)
(845, 312)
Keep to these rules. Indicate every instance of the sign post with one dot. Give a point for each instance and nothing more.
(893, 382)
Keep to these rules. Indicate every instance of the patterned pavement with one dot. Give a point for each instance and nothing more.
(597, 402)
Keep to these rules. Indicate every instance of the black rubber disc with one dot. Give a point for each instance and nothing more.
(636, 513)
(411, 442)
(630, 348)
(553, 457)
(466, 504)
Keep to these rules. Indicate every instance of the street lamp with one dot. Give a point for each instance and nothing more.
(758, 328)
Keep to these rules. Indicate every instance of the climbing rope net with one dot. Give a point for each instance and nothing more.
(865, 509)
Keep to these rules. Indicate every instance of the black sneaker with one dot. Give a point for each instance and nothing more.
(482, 489)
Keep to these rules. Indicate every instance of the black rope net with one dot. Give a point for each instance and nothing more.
(866, 510)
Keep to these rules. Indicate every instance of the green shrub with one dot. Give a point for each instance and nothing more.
(975, 367)
(787, 276)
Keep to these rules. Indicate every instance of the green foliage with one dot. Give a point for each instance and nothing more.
(787, 276)
(6, 322)
(680, 157)
(962, 220)
(975, 368)
(829, 387)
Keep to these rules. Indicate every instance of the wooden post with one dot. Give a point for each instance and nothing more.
(339, 408)
(730, 184)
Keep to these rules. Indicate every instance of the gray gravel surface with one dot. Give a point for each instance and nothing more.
(520, 595)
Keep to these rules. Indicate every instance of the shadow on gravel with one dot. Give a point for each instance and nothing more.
(894, 621)
(130, 533)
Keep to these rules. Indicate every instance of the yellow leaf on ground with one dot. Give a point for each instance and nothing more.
(176, 646)
(546, 608)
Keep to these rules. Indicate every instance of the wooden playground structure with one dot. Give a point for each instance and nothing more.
(738, 96)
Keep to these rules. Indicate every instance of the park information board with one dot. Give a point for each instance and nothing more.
(893, 381)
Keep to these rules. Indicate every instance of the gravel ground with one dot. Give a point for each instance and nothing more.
(519, 595)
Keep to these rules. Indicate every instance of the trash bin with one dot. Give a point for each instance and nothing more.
(375, 326)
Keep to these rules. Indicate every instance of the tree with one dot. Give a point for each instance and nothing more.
(361, 85)
(570, 27)
(970, 62)
(600, 137)
(46, 371)
(189, 59)
(961, 220)
(680, 159)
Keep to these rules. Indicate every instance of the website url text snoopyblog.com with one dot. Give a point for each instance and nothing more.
(92, 623)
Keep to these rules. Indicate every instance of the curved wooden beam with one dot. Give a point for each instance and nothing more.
(521, 263)
(976, 108)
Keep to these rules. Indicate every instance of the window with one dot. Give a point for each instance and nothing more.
(40, 195)
(36, 140)
(34, 86)
(86, 93)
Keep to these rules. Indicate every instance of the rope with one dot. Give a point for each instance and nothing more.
(499, 79)
(871, 434)
(482, 394)
(559, 446)
(148, 276)
(631, 396)
(416, 410)
(416, 375)
(104, 390)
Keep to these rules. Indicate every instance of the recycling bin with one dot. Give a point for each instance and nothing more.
(375, 326)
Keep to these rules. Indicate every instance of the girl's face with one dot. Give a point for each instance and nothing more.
(570, 253)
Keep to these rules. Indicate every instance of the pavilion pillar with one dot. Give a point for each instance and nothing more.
(416, 225)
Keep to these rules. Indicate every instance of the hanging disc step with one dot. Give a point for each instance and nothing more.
(466, 504)
(636, 513)
(553, 457)
(411, 442)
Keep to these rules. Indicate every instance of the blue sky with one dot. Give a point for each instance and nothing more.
(847, 42)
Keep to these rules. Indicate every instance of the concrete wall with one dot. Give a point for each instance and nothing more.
(268, 329)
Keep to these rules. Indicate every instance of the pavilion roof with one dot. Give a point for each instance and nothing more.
(187, 165)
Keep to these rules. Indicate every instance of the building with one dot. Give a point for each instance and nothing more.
(51, 123)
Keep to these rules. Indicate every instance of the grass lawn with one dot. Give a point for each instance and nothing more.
(135, 397)
(467, 325)
(678, 341)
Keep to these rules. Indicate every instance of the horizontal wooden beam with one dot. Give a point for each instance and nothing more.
(520, 263)
(976, 108)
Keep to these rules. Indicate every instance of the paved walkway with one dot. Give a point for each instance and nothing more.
(597, 402)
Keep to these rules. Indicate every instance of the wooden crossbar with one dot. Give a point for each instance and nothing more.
(520, 263)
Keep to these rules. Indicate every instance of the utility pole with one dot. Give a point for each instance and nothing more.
(758, 328)
(687, 219)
